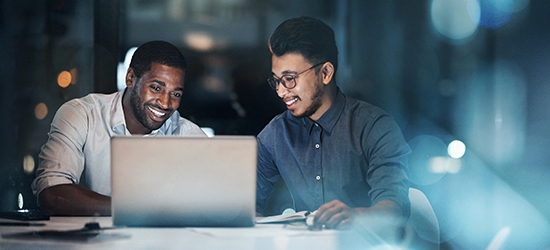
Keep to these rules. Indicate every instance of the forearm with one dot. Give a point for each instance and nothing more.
(72, 199)
(385, 209)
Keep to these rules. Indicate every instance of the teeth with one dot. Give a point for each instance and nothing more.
(157, 113)
(291, 101)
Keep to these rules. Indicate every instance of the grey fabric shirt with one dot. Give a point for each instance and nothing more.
(78, 147)
(355, 153)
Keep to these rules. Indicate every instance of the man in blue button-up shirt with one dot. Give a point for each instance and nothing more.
(340, 156)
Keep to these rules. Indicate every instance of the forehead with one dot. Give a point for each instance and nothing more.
(288, 63)
(166, 74)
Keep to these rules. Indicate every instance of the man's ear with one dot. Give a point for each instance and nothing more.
(130, 77)
(327, 72)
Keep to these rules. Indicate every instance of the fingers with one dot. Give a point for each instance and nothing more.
(333, 215)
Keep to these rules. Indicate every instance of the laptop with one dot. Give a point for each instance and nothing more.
(168, 181)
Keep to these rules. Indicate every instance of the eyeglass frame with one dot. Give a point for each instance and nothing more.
(274, 82)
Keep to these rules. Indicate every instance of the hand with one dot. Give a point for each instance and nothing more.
(333, 215)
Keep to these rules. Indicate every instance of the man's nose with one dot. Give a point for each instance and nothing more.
(281, 90)
(164, 100)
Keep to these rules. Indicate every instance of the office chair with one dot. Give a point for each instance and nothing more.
(422, 228)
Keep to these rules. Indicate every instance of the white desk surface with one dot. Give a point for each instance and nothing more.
(261, 236)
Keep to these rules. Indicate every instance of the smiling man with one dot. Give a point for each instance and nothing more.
(73, 176)
(340, 156)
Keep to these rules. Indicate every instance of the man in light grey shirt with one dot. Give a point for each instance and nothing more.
(73, 177)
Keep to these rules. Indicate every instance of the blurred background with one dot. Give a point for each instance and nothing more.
(467, 81)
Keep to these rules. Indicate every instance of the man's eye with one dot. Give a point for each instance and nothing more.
(155, 88)
(176, 94)
(288, 78)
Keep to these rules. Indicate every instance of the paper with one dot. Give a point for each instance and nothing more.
(298, 216)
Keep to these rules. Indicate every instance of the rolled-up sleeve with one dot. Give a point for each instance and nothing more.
(387, 155)
(61, 160)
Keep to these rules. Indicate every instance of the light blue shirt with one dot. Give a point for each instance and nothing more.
(78, 148)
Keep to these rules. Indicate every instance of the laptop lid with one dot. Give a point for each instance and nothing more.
(183, 181)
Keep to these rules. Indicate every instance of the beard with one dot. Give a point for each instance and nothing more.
(315, 102)
(140, 111)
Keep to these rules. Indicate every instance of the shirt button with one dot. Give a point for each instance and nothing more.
(317, 145)
(317, 177)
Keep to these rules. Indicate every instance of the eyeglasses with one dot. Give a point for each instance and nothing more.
(288, 81)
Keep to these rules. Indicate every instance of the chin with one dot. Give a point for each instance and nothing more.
(298, 115)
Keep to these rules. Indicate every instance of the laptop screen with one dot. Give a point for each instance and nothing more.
(183, 181)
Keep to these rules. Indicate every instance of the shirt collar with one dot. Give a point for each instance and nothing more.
(331, 116)
(118, 125)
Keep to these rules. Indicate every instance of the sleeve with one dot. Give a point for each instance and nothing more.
(388, 153)
(267, 174)
(61, 160)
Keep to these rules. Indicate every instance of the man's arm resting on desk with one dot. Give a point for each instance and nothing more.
(72, 199)
(337, 215)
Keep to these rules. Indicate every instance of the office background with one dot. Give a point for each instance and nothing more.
(466, 80)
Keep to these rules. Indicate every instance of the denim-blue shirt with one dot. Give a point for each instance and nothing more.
(354, 153)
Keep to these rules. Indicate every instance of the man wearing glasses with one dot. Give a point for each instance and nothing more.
(342, 157)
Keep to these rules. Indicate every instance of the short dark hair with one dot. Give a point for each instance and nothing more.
(160, 52)
(310, 37)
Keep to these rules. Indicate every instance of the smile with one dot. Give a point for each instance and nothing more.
(290, 102)
(155, 112)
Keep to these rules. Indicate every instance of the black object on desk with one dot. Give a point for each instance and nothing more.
(25, 215)
(91, 232)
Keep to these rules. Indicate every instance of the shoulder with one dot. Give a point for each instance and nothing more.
(281, 120)
(187, 127)
(368, 118)
(92, 102)
(363, 109)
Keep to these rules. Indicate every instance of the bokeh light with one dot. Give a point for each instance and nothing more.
(122, 68)
(443, 165)
(491, 113)
(64, 79)
(425, 149)
(288, 211)
(199, 41)
(40, 111)
(495, 13)
(20, 201)
(455, 19)
(456, 149)
(28, 164)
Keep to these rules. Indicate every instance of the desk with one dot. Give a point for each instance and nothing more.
(261, 236)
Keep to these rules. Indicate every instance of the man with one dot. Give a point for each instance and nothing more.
(342, 157)
(73, 177)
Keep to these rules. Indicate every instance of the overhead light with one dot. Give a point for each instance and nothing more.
(200, 41)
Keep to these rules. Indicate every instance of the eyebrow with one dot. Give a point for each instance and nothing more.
(286, 72)
(164, 85)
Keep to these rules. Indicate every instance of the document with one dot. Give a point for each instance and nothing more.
(305, 216)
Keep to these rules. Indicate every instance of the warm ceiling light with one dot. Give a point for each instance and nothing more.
(40, 111)
(64, 79)
(199, 41)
